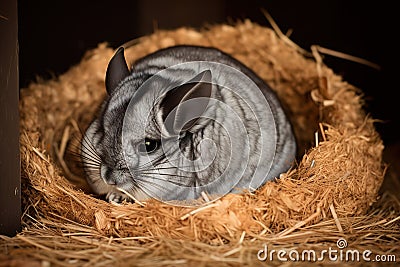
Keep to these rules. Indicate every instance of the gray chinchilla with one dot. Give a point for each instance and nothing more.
(186, 122)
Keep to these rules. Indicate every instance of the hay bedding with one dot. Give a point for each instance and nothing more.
(327, 195)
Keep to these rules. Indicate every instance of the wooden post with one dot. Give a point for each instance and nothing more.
(10, 179)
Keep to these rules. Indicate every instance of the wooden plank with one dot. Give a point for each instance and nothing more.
(10, 179)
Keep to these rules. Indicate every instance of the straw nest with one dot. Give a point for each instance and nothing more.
(327, 195)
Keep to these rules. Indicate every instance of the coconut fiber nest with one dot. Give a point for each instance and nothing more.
(330, 194)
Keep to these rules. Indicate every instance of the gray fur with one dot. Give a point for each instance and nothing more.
(242, 139)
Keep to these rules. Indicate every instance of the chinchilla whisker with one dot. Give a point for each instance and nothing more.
(146, 186)
(166, 174)
(152, 162)
(91, 162)
(93, 165)
(90, 147)
(165, 168)
(73, 149)
(146, 176)
(160, 160)
(163, 158)
(91, 157)
(89, 143)
(156, 178)
(148, 165)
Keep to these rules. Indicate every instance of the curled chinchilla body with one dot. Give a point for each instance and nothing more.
(182, 122)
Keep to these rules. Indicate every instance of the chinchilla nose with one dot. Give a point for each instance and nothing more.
(106, 174)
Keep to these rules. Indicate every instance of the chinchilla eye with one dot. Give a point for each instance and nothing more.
(148, 146)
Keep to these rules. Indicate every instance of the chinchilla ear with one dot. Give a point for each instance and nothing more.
(116, 70)
(183, 106)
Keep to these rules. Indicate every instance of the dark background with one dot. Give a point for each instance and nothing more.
(54, 35)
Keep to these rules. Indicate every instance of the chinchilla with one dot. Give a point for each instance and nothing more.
(182, 124)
